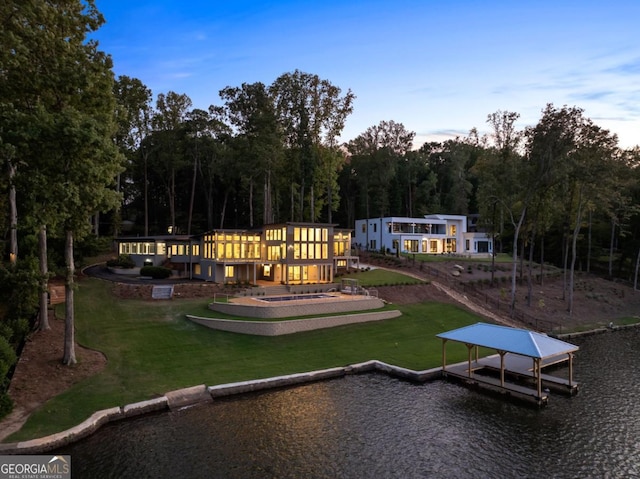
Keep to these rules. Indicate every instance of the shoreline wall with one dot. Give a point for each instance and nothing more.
(202, 394)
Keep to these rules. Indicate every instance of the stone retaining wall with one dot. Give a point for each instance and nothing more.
(180, 290)
(296, 308)
(279, 328)
(196, 395)
(591, 332)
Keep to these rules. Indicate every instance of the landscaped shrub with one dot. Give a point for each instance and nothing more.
(122, 261)
(155, 272)
(92, 246)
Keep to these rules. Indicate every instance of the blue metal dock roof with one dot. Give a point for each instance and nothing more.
(511, 340)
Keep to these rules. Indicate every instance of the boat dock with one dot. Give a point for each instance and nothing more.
(519, 379)
(516, 369)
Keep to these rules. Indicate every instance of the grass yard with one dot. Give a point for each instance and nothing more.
(440, 258)
(381, 277)
(152, 348)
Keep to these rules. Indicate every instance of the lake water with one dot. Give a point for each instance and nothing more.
(373, 426)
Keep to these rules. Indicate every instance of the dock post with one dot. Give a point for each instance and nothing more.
(570, 370)
(444, 356)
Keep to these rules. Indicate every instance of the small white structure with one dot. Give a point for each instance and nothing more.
(434, 234)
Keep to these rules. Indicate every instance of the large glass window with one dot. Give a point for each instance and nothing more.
(411, 246)
(310, 243)
(451, 245)
(229, 272)
(138, 248)
(273, 234)
(274, 253)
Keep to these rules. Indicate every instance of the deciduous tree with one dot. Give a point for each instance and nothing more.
(312, 113)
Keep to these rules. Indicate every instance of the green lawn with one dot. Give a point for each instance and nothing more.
(152, 348)
(381, 277)
(435, 258)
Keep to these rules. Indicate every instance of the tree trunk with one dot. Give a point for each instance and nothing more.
(589, 243)
(251, 202)
(611, 240)
(493, 246)
(267, 213)
(209, 196)
(146, 194)
(193, 194)
(224, 208)
(574, 242)
(330, 203)
(542, 260)
(565, 260)
(302, 188)
(172, 201)
(44, 279)
(291, 215)
(69, 327)
(312, 205)
(13, 206)
(635, 280)
(530, 268)
(117, 213)
(522, 253)
(514, 266)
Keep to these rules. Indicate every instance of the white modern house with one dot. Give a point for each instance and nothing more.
(431, 234)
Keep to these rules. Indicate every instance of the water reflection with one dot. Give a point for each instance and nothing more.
(375, 426)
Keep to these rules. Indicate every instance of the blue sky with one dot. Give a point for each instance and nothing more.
(438, 67)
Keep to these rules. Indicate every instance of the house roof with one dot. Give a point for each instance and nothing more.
(512, 340)
(152, 238)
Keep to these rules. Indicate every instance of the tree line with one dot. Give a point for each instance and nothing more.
(87, 155)
(269, 153)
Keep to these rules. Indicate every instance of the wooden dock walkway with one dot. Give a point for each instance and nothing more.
(521, 366)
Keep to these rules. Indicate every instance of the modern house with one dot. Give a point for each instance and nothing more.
(431, 234)
(287, 253)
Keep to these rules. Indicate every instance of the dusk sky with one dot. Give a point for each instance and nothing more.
(438, 67)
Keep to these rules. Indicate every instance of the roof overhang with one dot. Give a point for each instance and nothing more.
(511, 340)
